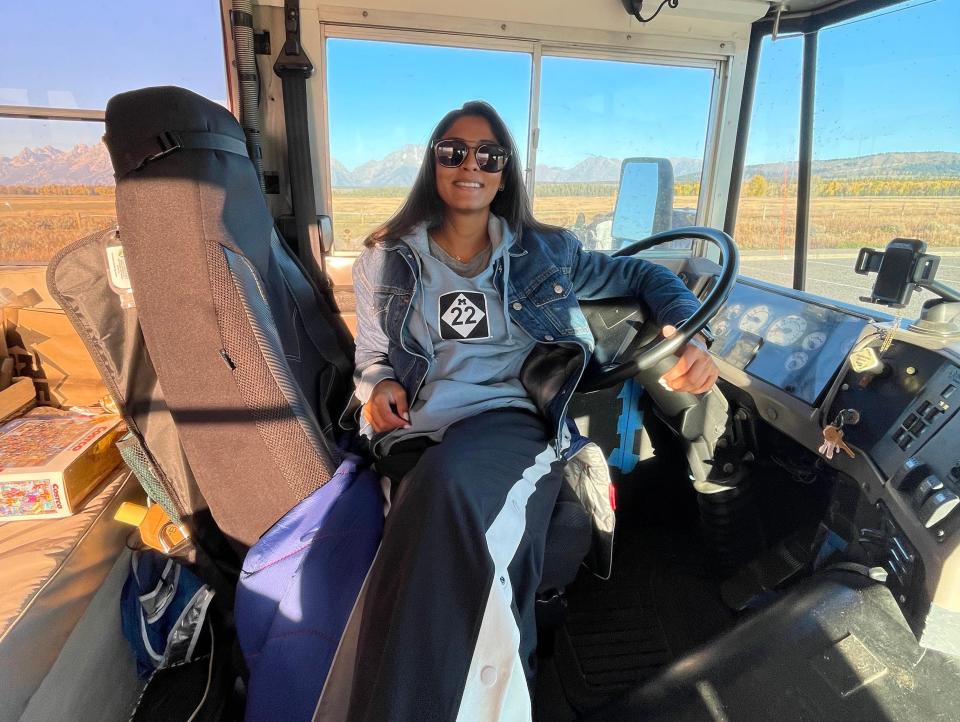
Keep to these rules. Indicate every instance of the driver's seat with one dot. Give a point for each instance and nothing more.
(248, 360)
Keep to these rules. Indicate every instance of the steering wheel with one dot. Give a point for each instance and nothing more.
(655, 351)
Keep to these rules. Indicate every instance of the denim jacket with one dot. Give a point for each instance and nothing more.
(548, 274)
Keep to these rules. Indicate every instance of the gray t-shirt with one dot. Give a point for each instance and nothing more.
(475, 350)
(468, 269)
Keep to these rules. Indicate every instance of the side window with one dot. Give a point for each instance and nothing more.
(56, 186)
(594, 114)
(767, 213)
(886, 150)
(379, 131)
(56, 181)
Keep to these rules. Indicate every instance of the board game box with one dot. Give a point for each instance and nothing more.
(50, 461)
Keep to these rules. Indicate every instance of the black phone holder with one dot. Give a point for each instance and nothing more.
(901, 268)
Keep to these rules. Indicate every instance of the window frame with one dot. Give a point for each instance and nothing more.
(717, 56)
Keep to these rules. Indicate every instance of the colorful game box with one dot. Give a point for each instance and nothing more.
(50, 460)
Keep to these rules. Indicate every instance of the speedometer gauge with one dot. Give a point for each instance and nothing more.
(796, 361)
(733, 311)
(787, 330)
(755, 319)
(813, 341)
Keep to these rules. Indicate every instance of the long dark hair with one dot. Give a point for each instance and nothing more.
(424, 204)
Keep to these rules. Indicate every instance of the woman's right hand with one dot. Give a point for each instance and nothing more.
(379, 410)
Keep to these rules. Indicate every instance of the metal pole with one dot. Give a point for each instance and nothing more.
(804, 170)
(743, 129)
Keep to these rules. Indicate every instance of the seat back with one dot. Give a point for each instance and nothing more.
(254, 362)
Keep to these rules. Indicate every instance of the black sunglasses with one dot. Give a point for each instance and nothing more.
(491, 158)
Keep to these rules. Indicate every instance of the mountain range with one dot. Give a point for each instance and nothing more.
(81, 165)
(880, 165)
(90, 165)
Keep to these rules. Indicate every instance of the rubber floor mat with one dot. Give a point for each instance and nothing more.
(616, 635)
(660, 602)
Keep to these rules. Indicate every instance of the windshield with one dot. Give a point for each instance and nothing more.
(886, 150)
(886, 143)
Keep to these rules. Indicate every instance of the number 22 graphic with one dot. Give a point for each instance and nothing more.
(463, 315)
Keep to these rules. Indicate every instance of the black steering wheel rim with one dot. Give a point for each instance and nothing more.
(652, 353)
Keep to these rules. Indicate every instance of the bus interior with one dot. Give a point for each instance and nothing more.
(787, 545)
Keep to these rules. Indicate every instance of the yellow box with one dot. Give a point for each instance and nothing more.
(51, 460)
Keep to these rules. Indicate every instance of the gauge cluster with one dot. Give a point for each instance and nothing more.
(794, 344)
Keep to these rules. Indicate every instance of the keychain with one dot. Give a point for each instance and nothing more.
(891, 332)
(833, 434)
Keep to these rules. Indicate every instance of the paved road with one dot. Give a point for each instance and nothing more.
(830, 273)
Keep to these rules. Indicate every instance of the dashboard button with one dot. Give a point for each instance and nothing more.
(950, 388)
(911, 469)
(923, 407)
(924, 489)
(937, 507)
(932, 413)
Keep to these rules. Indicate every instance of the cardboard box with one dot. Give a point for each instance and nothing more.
(16, 398)
(50, 461)
(47, 347)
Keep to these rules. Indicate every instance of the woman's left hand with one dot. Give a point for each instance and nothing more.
(695, 372)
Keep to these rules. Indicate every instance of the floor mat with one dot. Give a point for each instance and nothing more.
(660, 602)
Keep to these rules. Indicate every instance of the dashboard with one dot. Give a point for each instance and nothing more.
(794, 344)
(785, 359)
(789, 353)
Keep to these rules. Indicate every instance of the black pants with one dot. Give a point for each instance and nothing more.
(448, 628)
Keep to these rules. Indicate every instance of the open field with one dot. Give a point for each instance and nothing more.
(764, 222)
(33, 228)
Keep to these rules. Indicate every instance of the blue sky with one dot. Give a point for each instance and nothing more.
(886, 84)
(69, 54)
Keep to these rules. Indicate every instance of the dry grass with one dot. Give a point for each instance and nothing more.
(34, 228)
(770, 223)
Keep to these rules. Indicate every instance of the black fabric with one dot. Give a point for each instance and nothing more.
(568, 541)
(200, 690)
(403, 456)
(150, 149)
(568, 536)
(429, 585)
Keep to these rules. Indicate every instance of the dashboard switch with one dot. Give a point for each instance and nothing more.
(937, 507)
(924, 489)
(911, 469)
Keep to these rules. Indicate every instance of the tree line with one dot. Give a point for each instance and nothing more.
(757, 186)
(57, 190)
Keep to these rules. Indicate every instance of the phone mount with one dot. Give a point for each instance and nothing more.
(901, 268)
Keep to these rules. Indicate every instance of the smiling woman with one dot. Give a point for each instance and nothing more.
(374, 157)
(470, 343)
